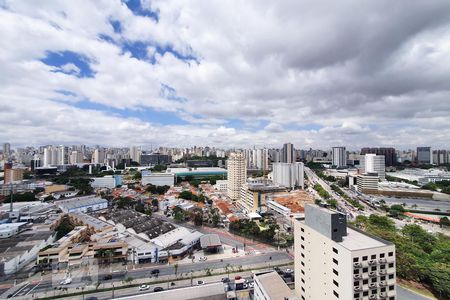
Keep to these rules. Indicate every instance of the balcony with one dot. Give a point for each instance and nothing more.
(372, 262)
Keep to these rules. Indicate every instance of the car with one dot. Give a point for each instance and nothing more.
(158, 289)
(66, 281)
(107, 277)
(237, 277)
(200, 282)
(144, 287)
(202, 258)
(289, 271)
(156, 271)
(225, 279)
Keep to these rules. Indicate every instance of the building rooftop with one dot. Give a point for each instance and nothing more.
(22, 242)
(358, 240)
(90, 221)
(80, 202)
(274, 286)
(210, 240)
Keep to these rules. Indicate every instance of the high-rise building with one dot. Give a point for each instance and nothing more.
(424, 155)
(367, 182)
(441, 157)
(390, 154)
(6, 150)
(333, 261)
(339, 157)
(135, 154)
(288, 153)
(373, 163)
(99, 156)
(237, 174)
(290, 175)
(76, 157)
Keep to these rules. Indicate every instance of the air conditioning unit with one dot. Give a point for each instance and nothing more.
(357, 288)
(382, 260)
(372, 262)
(383, 283)
(373, 297)
(357, 265)
(383, 294)
(372, 285)
(357, 276)
(383, 272)
(372, 273)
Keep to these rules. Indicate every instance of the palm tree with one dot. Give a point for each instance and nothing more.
(228, 269)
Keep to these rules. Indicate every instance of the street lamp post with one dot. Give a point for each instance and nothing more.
(277, 231)
(113, 291)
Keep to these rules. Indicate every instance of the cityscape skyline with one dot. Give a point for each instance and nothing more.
(174, 73)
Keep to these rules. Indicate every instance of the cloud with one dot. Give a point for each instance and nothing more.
(367, 73)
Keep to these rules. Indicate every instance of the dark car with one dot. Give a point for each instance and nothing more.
(91, 298)
(225, 280)
(158, 289)
(156, 271)
(107, 277)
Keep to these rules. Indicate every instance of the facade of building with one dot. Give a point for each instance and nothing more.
(353, 264)
(367, 182)
(109, 181)
(373, 163)
(155, 159)
(13, 175)
(339, 157)
(390, 154)
(255, 195)
(237, 175)
(82, 204)
(221, 185)
(158, 179)
(288, 153)
(424, 155)
(290, 175)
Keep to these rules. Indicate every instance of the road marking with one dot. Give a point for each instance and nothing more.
(33, 288)
(22, 288)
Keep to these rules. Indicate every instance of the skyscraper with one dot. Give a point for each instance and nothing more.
(390, 155)
(289, 175)
(424, 155)
(237, 174)
(373, 163)
(334, 261)
(288, 153)
(339, 157)
(6, 149)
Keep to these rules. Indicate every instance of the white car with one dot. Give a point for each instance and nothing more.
(202, 258)
(289, 271)
(200, 282)
(66, 281)
(144, 287)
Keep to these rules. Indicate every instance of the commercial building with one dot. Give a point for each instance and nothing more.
(290, 175)
(288, 153)
(339, 157)
(82, 204)
(13, 175)
(255, 195)
(367, 182)
(424, 155)
(390, 154)
(6, 150)
(237, 175)
(155, 159)
(270, 286)
(441, 157)
(158, 179)
(353, 264)
(373, 163)
(109, 181)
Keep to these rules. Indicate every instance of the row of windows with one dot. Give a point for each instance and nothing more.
(373, 280)
(373, 256)
(365, 294)
(373, 268)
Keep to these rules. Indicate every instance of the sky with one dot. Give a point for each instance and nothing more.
(225, 73)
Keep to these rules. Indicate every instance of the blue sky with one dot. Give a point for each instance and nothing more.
(225, 73)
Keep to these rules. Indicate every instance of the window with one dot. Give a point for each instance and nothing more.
(383, 278)
(390, 253)
(374, 256)
(373, 292)
(373, 268)
(303, 272)
(303, 298)
(391, 287)
(365, 270)
(356, 283)
(391, 276)
(365, 281)
(303, 264)
(355, 259)
(335, 261)
(335, 272)
(335, 251)
(303, 289)
(356, 295)
(366, 293)
(303, 247)
(303, 255)
(392, 298)
(364, 258)
(381, 255)
(336, 283)
(336, 294)
(373, 280)
(356, 271)
(303, 280)
(303, 230)
(382, 267)
(302, 238)
(391, 265)
(383, 289)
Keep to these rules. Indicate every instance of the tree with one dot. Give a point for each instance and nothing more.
(444, 221)
(396, 210)
(137, 176)
(64, 227)
(418, 235)
(197, 216)
(215, 219)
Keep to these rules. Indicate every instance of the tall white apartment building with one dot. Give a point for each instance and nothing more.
(76, 157)
(99, 156)
(333, 261)
(373, 163)
(339, 157)
(290, 175)
(367, 182)
(237, 174)
(135, 154)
